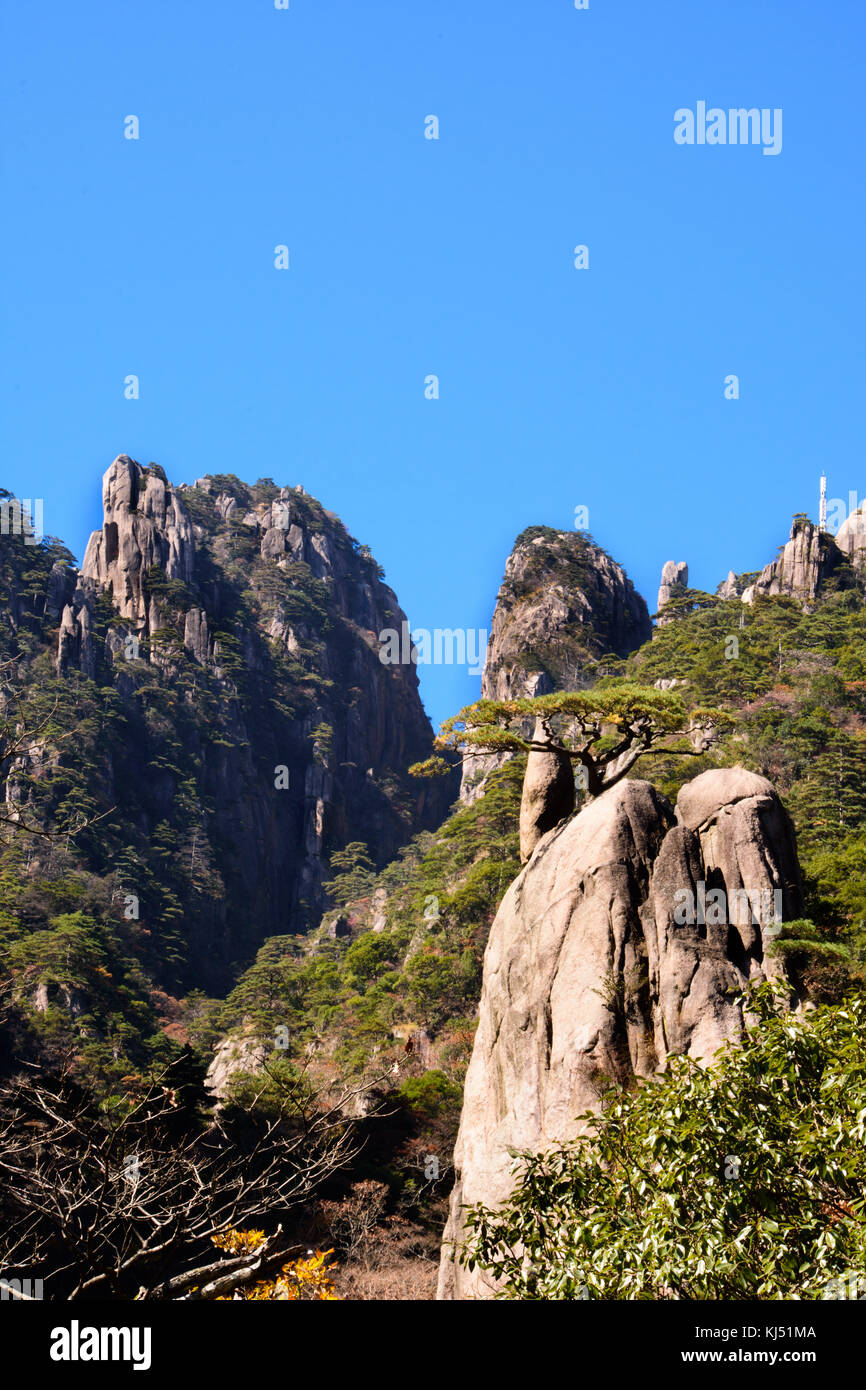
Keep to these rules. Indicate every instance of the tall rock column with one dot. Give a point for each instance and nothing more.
(605, 955)
(675, 578)
(548, 793)
(145, 525)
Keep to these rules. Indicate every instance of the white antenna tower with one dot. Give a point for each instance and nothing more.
(822, 510)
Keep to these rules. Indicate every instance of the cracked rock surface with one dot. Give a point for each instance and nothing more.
(591, 971)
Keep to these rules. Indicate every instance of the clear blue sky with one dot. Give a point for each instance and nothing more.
(409, 256)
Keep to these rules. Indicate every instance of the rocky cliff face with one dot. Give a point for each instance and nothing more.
(145, 525)
(239, 629)
(627, 936)
(562, 604)
(807, 560)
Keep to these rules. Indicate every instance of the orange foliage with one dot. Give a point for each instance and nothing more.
(298, 1280)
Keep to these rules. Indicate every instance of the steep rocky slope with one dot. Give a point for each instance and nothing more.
(218, 632)
(226, 636)
(808, 562)
(563, 603)
(591, 972)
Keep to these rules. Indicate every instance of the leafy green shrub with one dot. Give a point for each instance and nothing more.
(431, 1094)
(744, 1180)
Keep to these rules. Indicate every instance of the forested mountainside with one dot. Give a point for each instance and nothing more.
(194, 722)
(793, 683)
(399, 961)
(215, 858)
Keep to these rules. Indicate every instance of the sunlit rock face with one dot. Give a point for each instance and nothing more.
(240, 627)
(562, 604)
(630, 934)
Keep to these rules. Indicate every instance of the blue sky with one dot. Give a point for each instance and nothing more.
(409, 257)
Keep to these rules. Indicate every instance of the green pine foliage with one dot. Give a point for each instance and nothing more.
(142, 772)
(794, 684)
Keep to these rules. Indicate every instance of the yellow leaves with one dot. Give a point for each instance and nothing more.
(303, 1279)
(299, 1280)
(239, 1242)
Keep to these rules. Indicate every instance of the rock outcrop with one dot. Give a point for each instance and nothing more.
(239, 1053)
(675, 578)
(851, 537)
(803, 566)
(630, 934)
(548, 795)
(563, 603)
(728, 587)
(145, 525)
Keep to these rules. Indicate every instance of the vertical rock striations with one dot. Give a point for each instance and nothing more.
(145, 525)
(805, 563)
(240, 628)
(675, 578)
(610, 950)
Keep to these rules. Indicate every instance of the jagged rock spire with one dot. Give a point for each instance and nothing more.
(804, 562)
(674, 576)
(145, 524)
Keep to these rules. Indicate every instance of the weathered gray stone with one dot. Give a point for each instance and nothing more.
(562, 600)
(235, 1054)
(548, 794)
(674, 577)
(61, 587)
(562, 603)
(75, 646)
(806, 560)
(379, 910)
(590, 974)
(851, 537)
(145, 525)
(728, 587)
(273, 544)
(195, 634)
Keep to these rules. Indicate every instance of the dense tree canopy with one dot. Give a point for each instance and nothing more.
(604, 730)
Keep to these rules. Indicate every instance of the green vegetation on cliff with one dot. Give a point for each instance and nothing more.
(794, 684)
(744, 1180)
